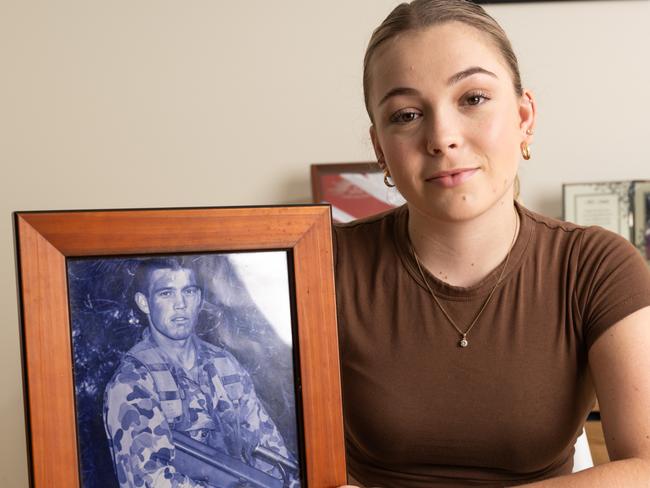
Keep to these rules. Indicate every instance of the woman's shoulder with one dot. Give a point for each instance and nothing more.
(550, 223)
(588, 239)
(599, 257)
(365, 237)
(366, 233)
(369, 226)
(376, 219)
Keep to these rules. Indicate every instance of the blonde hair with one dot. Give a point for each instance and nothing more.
(420, 14)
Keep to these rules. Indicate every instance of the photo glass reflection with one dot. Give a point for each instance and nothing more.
(184, 371)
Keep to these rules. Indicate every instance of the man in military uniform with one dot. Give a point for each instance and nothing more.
(173, 382)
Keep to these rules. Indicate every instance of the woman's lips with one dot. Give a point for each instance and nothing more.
(451, 180)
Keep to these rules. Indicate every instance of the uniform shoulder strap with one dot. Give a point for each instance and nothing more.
(166, 386)
(226, 371)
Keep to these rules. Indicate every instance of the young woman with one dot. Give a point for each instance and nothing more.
(474, 332)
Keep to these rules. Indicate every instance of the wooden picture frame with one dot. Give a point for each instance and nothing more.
(45, 241)
(355, 190)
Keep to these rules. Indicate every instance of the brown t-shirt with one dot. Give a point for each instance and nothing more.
(419, 410)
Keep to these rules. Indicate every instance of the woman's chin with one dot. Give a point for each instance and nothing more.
(457, 208)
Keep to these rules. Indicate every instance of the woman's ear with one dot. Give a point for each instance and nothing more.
(527, 115)
(377, 147)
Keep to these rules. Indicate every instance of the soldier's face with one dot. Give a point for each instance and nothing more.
(173, 302)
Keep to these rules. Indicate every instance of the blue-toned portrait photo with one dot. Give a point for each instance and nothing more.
(185, 371)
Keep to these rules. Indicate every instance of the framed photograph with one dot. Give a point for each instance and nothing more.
(642, 218)
(606, 204)
(646, 233)
(194, 346)
(355, 190)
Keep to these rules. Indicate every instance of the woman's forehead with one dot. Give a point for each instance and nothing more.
(434, 53)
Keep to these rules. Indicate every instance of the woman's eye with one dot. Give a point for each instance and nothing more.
(475, 98)
(404, 116)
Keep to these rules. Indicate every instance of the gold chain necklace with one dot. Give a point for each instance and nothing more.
(463, 335)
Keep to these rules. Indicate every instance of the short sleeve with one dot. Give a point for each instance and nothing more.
(613, 281)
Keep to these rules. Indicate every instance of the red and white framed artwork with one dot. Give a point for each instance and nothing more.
(354, 190)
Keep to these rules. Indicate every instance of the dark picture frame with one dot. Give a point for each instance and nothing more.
(355, 190)
(641, 218)
(47, 241)
(604, 203)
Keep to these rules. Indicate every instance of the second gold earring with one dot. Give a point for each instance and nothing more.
(387, 182)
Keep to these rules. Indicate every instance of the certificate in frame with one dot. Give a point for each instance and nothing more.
(606, 204)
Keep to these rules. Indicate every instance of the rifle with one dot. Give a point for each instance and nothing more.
(275, 458)
(203, 463)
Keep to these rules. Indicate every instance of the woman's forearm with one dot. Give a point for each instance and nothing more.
(626, 473)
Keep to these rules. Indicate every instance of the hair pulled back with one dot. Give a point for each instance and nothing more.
(420, 14)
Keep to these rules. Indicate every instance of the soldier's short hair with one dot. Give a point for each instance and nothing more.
(146, 267)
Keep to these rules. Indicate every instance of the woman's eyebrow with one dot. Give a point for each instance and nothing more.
(400, 90)
(461, 75)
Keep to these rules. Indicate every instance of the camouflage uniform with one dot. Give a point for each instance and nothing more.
(219, 408)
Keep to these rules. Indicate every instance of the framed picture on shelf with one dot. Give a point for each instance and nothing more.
(186, 344)
(355, 190)
(641, 204)
(606, 204)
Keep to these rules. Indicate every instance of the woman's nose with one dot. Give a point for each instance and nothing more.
(443, 134)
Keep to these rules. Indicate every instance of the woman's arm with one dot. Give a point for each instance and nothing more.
(620, 365)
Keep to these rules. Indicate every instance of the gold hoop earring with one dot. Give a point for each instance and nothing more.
(386, 182)
(525, 150)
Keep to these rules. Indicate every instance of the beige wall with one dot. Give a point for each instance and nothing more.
(152, 103)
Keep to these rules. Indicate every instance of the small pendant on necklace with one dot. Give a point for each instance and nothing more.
(463, 342)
